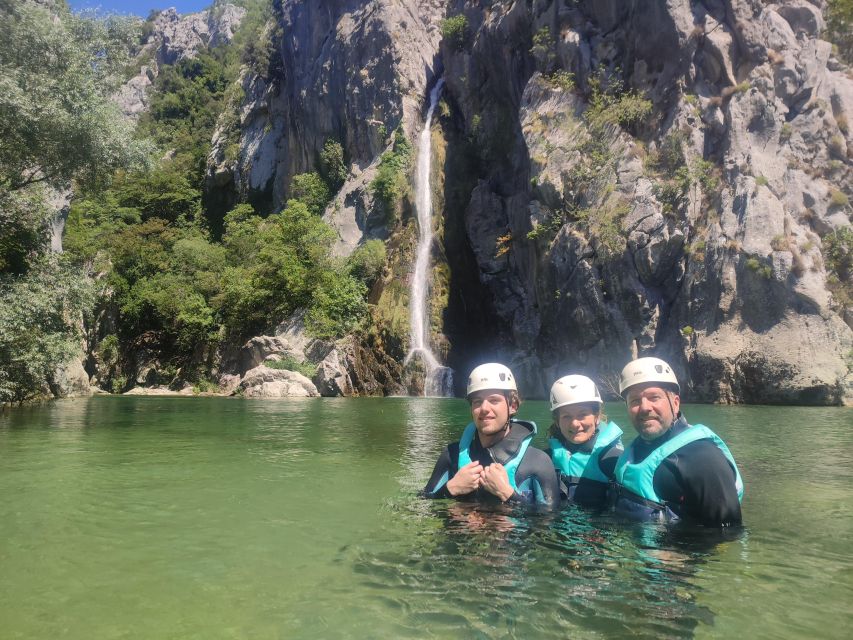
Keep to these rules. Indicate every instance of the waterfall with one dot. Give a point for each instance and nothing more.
(439, 379)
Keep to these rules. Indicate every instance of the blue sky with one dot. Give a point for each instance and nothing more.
(141, 7)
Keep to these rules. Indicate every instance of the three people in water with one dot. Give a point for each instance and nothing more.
(672, 471)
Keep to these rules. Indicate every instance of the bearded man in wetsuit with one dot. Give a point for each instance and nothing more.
(673, 470)
(494, 460)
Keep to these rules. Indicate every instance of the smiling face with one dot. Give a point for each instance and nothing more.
(491, 412)
(652, 409)
(578, 422)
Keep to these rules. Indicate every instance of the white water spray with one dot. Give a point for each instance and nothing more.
(439, 379)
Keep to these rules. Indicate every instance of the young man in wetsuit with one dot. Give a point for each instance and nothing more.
(493, 461)
(673, 470)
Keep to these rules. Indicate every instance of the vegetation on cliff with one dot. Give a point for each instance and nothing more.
(57, 127)
(169, 277)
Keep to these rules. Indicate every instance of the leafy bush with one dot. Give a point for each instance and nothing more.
(366, 261)
(311, 190)
(387, 187)
(754, 264)
(455, 30)
(332, 164)
(286, 259)
(610, 103)
(672, 193)
(338, 306)
(838, 198)
(289, 363)
(543, 47)
(839, 23)
(562, 79)
(779, 243)
(108, 350)
(838, 254)
(23, 229)
(838, 146)
(40, 317)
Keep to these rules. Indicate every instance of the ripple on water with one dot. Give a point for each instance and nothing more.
(520, 574)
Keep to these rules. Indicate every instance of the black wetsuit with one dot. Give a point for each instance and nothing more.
(535, 465)
(588, 492)
(696, 482)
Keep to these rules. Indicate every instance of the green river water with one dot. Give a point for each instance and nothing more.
(135, 517)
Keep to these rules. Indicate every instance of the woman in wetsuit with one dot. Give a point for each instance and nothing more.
(584, 444)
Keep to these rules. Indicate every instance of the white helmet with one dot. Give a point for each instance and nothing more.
(491, 376)
(574, 389)
(647, 370)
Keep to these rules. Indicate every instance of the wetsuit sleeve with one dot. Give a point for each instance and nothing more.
(445, 468)
(538, 466)
(706, 485)
(607, 459)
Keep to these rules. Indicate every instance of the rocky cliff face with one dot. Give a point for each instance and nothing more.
(579, 233)
(172, 38)
(342, 70)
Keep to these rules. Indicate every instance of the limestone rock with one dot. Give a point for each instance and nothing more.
(173, 38)
(355, 72)
(765, 117)
(262, 348)
(182, 36)
(332, 378)
(263, 382)
(71, 381)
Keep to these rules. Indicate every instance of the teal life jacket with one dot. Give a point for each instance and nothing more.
(638, 477)
(512, 465)
(583, 464)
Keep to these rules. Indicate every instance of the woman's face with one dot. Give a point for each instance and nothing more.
(578, 422)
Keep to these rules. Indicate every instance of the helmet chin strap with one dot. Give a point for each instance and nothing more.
(671, 408)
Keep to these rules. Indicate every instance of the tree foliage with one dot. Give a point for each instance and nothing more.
(57, 122)
(40, 317)
(367, 260)
(333, 165)
(311, 190)
(387, 187)
(839, 27)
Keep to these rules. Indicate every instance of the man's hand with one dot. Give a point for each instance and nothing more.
(496, 481)
(466, 480)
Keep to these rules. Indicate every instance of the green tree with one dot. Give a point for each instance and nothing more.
(387, 187)
(455, 30)
(279, 272)
(366, 261)
(57, 122)
(23, 229)
(310, 190)
(338, 306)
(39, 325)
(332, 164)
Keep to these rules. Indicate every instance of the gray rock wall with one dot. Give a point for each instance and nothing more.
(729, 284)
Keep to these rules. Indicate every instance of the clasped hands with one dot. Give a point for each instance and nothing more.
(473, 475)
